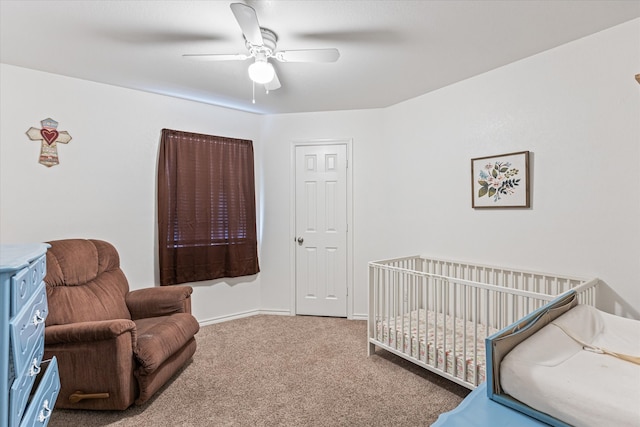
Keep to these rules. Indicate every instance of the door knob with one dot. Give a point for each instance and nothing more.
(300, 240)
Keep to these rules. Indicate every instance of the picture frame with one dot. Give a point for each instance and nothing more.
(500, 181)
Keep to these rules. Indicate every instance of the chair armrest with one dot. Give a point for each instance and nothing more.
(155, 302)
(89, 331)
(94, 358)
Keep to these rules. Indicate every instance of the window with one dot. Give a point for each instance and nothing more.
(206, 208)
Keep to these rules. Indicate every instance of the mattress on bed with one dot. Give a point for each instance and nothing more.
(407, 334)
(552, 373)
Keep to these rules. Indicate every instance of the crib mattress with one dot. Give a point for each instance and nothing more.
(552, 373)
(419, 335)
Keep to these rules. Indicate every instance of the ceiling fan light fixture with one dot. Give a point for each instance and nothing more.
(261, 72)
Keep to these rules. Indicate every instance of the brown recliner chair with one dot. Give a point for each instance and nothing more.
(114, 347)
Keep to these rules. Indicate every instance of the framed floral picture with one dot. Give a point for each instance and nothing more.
(500, 181)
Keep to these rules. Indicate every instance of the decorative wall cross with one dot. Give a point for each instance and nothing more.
(50, 137)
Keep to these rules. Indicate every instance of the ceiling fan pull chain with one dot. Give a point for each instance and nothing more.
(253, 85)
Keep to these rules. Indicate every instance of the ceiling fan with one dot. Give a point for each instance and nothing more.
(261, 44)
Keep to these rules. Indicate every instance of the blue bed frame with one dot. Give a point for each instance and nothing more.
(477, 410)
(485, 408)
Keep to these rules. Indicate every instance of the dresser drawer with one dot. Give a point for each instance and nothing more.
(27, 330)
(21, 388)
(43, 400)
(25, 282)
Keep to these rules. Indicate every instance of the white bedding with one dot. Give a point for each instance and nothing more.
(552, 373)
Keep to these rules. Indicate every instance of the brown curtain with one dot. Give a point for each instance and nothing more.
(206, 208)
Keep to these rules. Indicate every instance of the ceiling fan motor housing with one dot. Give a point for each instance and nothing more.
(268, 47)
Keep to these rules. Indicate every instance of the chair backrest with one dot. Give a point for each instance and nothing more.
(84, 282)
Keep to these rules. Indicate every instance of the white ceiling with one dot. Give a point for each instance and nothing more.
(390, 50)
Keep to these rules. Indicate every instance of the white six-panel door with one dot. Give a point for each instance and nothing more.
(321, 229)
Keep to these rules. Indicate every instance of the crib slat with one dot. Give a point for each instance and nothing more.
(427, 305)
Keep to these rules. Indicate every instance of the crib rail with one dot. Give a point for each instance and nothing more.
(437, 313)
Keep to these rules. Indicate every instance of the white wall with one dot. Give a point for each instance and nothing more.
(105, 184)
(364, 127)
(576, 108)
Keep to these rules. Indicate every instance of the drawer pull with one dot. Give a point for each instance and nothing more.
(78, 396)
(37, 318)
(45, 412)
(34, 369)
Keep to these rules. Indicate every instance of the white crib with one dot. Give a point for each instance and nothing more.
(437, 313)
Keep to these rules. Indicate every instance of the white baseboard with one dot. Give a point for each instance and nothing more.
(241, 315)
(249, 313)
(277, 312)
(359, 317)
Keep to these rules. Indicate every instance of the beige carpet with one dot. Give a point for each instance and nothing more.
(287, 371)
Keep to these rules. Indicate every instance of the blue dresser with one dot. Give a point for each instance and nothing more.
(29, 386)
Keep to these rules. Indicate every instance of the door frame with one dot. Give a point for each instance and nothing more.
(348, 142)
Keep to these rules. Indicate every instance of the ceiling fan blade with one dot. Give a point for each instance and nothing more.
(248, 21)
(216, 56)
(273, 84)
(308, 55)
